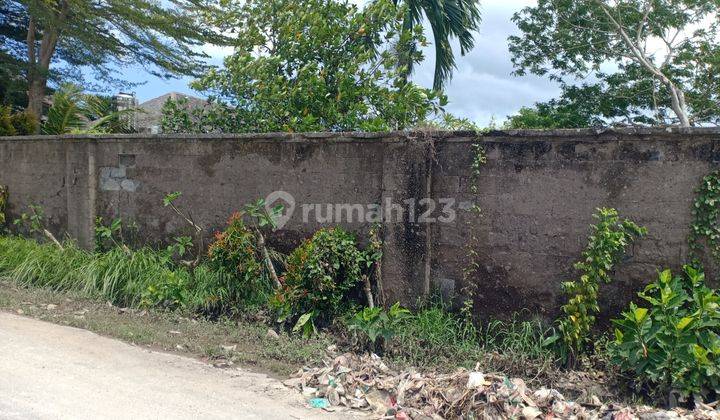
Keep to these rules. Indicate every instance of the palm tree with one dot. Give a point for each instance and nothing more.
(73, 111)
(448, 19)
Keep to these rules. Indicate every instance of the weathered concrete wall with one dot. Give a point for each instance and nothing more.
(537, 193)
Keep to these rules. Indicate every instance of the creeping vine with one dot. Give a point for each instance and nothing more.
(473, 258)
(705, 227)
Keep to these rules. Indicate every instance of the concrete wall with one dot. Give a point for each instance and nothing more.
(537, 193)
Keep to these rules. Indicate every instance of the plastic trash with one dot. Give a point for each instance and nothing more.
(319, 403)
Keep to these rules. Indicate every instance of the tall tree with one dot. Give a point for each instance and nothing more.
(449, 19)
(103, 35)
(310, 65)
(666, 51)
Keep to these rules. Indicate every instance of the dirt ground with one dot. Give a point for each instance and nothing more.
(53, 371)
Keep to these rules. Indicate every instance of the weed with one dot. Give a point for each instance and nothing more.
(375, 326)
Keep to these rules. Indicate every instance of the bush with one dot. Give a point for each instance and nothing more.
(25, 123)
(240, 276)
(6, 126)
(673, 344)
(320, 274)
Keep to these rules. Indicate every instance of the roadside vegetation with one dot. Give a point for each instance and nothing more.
(663, 348)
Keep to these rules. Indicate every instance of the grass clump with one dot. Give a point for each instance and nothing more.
(433, 337)
(120, 275)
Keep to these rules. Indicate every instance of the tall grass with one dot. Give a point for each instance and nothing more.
(119, 275)
(434, 337)
(123, 276)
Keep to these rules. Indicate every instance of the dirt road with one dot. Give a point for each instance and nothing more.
(51, 371)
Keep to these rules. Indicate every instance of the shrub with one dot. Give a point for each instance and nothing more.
(320, 274)
(241, 277)
(25, 123)
(673, 344)
(6, 126)
(606, 246)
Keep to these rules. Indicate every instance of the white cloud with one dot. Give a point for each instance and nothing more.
(483, 88)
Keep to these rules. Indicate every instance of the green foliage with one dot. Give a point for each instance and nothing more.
(162, 37)
(65, 114)
(260, 216)
(705, 227)
(32, 221)
(105, 236)
(449, 20)
(171, 197)
(6, 126)
(25, 123)
(171, 291)
(119, 275)
(606, 246)
(447, 121)
(672, 345)
(320, 274)
(577, 107)
(377, 325)
(176, 117)
(234, 253)
(434, 337)
(311, 65)
(572, 40)
(72, 111)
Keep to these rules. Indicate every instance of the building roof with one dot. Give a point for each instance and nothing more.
(148, 120)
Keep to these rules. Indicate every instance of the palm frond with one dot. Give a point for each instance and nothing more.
(448, 19)
(64, 116)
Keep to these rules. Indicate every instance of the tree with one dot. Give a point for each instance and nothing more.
(667, 52)
(73, 111)
(448, 19)
(52, 36)
(310, 65)
(614, 101)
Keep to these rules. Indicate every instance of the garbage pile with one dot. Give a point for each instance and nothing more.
(366, 383)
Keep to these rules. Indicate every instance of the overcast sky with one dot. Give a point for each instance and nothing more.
(482, 86)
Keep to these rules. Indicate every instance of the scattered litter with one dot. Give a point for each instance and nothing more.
(319, 403)
(20, 311)
(366, 383)
(174, 332)
(51, 307)
(229, 348)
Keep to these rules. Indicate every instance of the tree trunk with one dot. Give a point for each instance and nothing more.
(36, 93)
(39, 61)
(677, 99)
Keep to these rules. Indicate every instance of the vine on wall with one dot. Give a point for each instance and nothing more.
(705, 227)
(473, 258)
